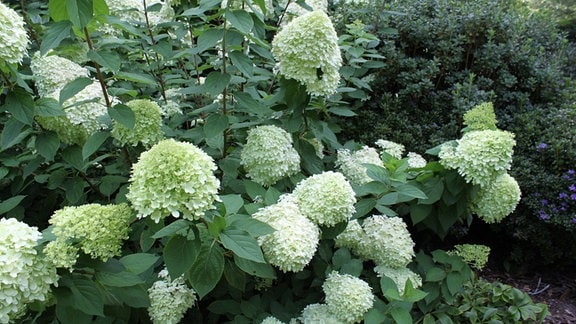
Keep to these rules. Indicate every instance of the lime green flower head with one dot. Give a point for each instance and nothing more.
(173, 178)
(350, 164)
(476, 255)
(294, 243)
(268, 155)
(319, 313)
(480, 156)
(400, 276)
(497, 200)
(307, 51)
(347, 297)
(97, 230)
(169, 299)
(326, 198)
(13, 36)
(24, 275)
(387, 241)
(147, 127)
(481, 117)
(52, 73)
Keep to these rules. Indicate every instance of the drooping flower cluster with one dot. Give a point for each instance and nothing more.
(169, 299)
(293, 244)
(392, 148)
(347, 297)
(13, 36)
(400, 276)
(475, 255)
(326, 198)
(24, 276)
(173, 178)
(497, 200)
(268, 155)
(307, 51)
(480, 156)
(147, 127)
(97, 230)
(481, 117)
(350, 164)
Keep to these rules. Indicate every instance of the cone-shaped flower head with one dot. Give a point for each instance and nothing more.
(326, 198)
(147, 127)
(296, 10)
(24, 276)
(319, 313)
(476, 255)
(307, 51)
(481, 117)
(293, 244)
(169, 299)
(480, 156)
(350, 164)
(347, 297)
(400, 276)
(392, 148)
(497, 200)
(268, 155)
(97, 230)
(173, 178)
(13, 37)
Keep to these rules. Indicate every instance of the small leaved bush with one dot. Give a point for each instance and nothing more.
(176, 161)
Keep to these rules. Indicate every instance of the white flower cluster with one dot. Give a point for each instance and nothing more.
(271, 320)
(319, 313)
(133, 11)
(326, 198)
(147, 127)
(497, 200)
(293, 244)
(347, 297)
(97, 230)
(416, 160)
(392, 148)
(295, 10)
(268, 155)
(13, 36)
(173, 178)
(52, 72)
(169, 299)
(350, 164)
(307, 51)
(24, 276)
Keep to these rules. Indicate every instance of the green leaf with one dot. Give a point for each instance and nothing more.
(378, 173)
(73, 87)
(58, 10)
(49, 107)
(209, 39)
(419, 212)
(215, 125)
(254, 190)
(73, 156)
(411, 191)
(207, 269)
(139, 262)
(246, 102)
(433, 189)
(242, 62)
(108, 60)
(240, 19)
(232, 202)
(180, 254)
(242, 244)
(364, 206)
(13, 133)
(172, 228)
(47, 144)
(10, 203)
(454, 281)
(80, 12)
(234, 276)
(401, 315)
(110, 183)
(134, 296)
(123, 115)
(216, 82)
(262, 270)
(93, 143)
(87, 296)
(120, 279)
(21, 105)
(435, 274)
(253, 226)
(135, 77)
(342, 111)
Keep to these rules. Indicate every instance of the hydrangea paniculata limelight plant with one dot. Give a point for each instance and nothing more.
(294, 243)
(173, 178)
(97, 230)
(52, 72)
(475, 255)
(481, 117)
(24, 275)
(497, 200)
(347, 297)
(326, 198)
(319, 313)
(169, 299)
(147, 127)
(307, 51)
(350, 164)
(13, 36)
(268, 155)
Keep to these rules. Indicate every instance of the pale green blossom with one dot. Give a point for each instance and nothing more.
(400, 276)
(319, 313)
(268, 155)
(52, 73)
(392, 148)
(62, 254)
(476, 255)
(25, 276)
(13, 36)
(326, 198)
(416, 160)
(481, 117)
(271, 320)
(347, 297)
(169, 299)
(147, 127)
(497, 200)
(173, 178)
(351, 164)
(307, 51)
(296, 10)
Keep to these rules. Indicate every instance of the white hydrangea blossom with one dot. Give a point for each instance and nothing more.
(169, 299)
(13, 36)
(147, 127)
(24, 276)
(350, 164)
(319, 313)
(326, 198)
(294, 243)
(133, 11)
(352, 237)
(497, 200)
(268, 155)
(62, 254)
(295, 10)
(347, 297)
(307, 51)
(416, 160)
(400, 276)
(394, 149)
(173, 178)
(271, 320)
(52, 73)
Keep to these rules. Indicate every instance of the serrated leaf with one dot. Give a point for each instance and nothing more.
(180, 254)
(123, 115)
(49, 107)
(74, 87)
(232, 202)
(93, 143)
(215, 125)
(80, 12)
(209, 39)
(419, 212)
(58, 10)
(120, 279)
(207, 269)
(435, 274)
(139, 262)
(109, 60)
(454, 281)
(10, 203)
(242, 62)
(21, 105)
(253, 226)
(87, 296)
(172, 228)
(234, 276)
(401, 315)
(241, 20)
(13, 133)
(47, 144)
(242, 244)
(134, 296)
(262, 270)
(411, 191)
(110, 183)
(216, 82)
(342, 111)
(135, 77)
